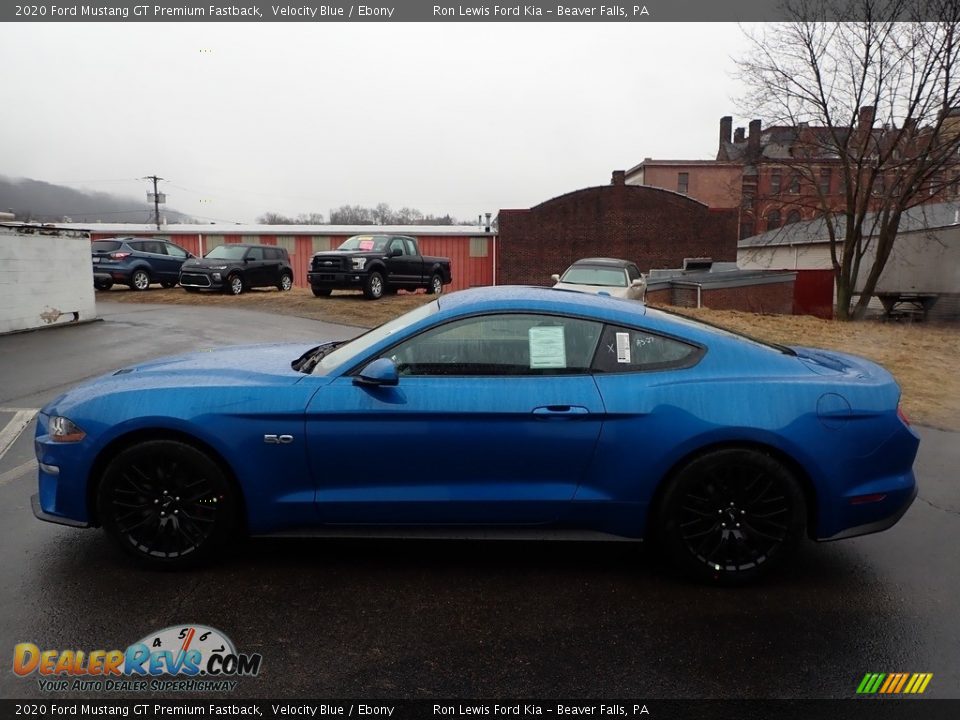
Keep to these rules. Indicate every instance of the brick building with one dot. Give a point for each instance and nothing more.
(652, 227)
(784, 174)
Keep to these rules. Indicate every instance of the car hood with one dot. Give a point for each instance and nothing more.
(215, 262)
(245, 365)
(610, 290)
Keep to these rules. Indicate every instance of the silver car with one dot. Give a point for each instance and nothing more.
(618, 278)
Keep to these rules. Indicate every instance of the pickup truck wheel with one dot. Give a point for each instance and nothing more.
(321, 292)
(286, 282)
(234, 284)
(373, 287)
(140, 280)
(436, 285)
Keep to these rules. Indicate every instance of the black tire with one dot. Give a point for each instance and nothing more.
(436, 285)
(103, 284)
(321, 292)
(140, 280)
(167, 504)
(167, 284)
(730, 516)
(234, 284)
(373, 286)
(286, 282)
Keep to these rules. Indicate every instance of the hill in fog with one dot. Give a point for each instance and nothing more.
(34, 200)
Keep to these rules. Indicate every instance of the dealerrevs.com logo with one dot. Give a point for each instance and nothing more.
(177, 658)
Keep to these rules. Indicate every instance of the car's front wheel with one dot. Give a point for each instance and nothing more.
(103, 284)
(140, 280)
(234, 284)
(166, 503)
(731, 515)
(373, 287)
(286, 282)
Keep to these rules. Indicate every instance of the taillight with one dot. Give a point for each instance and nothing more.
(119, 255)
(902, 415)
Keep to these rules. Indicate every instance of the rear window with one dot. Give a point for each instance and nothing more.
(105, 246)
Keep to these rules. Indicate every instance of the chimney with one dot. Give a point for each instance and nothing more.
(867, 115)
(619, 177)
(753, 139)
(726, 126)
(738, 135)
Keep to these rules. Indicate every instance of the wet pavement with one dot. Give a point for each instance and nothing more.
(434, 619)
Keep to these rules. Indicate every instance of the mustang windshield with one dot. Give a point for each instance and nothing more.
(359, 345)
(608, 277)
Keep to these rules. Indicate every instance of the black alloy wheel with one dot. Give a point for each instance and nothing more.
(166, 503)
(731, 515)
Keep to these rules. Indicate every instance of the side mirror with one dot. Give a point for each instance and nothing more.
(639, 282)
(396, 252)
(555, 278)
(247, 259)
(380, 372)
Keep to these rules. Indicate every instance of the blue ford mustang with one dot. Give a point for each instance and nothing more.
(494, 409)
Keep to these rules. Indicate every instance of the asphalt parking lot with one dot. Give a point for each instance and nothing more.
(418, 619)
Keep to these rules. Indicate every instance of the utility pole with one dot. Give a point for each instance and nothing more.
(156, 197)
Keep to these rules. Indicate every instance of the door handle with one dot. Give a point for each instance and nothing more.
(560, 412)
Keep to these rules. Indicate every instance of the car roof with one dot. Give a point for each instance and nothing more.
(519, 297)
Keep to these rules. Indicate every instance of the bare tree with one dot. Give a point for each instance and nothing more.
(873, 88)
(273, 218)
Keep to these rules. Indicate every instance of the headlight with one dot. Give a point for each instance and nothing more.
(358, 263)
(63, 430)
(218, 267)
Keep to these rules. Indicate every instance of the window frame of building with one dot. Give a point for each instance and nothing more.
(826, 180)
(683, 183)
(776, 181)
(773, 219)
(793, 217)
(794, 187)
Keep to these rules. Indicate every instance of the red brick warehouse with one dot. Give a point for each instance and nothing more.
(655, 228)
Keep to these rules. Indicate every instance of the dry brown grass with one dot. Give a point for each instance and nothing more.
(923, 358)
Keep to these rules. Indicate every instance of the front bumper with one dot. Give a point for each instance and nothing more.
(336, 280)
(48, 517)
(202, 280)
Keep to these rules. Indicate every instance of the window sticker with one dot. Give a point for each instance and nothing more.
(366, 244)
(623, 347)
(547, 347)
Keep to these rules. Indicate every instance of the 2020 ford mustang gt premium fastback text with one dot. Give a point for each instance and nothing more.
(489, 409)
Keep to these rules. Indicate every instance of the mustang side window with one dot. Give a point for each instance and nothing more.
(630, 350)
(508, 344)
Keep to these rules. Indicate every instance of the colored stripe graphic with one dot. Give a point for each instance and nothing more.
(894, 683)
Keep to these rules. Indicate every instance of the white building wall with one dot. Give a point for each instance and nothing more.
(44, 280)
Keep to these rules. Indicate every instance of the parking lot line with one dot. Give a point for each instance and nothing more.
(18, 472)
(12, 430)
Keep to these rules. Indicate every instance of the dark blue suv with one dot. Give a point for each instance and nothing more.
(136, 262)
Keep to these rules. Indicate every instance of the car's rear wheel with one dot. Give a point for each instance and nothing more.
(103, 284)
(436, 285)
(373, 287)
(140, 280)
(286, 282)
(321, 292)
(234, 284)
(731, 515)
(166, 503)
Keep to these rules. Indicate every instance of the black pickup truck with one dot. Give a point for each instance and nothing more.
(377, 264)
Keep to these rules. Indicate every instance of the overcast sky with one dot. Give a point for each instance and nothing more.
(446, 118)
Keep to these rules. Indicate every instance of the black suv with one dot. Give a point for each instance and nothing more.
(136, 262)
(234, 268)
